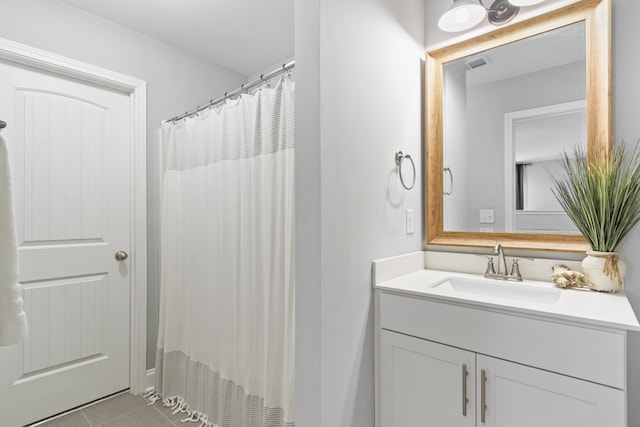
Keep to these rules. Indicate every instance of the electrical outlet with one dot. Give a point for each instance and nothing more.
(410, 221)
(487, 216)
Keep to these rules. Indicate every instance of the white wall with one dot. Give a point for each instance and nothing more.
(369, 94)
(176, 81)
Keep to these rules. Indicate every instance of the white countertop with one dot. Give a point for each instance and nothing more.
(578, 306)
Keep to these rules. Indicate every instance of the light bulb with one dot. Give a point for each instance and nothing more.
(462, 15)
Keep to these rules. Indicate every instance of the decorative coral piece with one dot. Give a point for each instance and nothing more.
(564, 277)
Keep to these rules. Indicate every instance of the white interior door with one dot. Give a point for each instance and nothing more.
(70, 146)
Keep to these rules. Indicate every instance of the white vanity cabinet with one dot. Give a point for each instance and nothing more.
(432, 355)
(423, 383)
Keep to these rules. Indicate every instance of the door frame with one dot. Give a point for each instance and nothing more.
(510, 120)
(36, 58)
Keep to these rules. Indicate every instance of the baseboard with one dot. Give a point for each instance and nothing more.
(151, 379)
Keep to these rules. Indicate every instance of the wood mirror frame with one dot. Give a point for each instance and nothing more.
(597, 15)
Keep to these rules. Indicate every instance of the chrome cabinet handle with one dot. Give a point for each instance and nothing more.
(465, 374)
(121, 255)
(483, 396)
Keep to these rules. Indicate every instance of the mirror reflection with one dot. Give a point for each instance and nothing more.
(508, 112)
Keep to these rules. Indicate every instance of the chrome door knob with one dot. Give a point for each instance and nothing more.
(121, 255)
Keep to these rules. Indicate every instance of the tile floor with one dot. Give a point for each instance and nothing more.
(122, 410)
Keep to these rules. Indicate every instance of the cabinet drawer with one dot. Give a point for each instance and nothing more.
(581, 352)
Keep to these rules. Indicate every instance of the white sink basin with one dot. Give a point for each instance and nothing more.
(520, 291)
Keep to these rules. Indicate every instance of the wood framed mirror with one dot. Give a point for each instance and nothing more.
(450, 119)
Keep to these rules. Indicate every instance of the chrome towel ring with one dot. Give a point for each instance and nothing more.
(400, 158)
(450, 192)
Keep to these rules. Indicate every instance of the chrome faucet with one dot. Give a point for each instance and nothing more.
(499, 252)
(501, 272)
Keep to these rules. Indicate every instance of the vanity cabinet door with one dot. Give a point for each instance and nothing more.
(422, 383)
(518, 395)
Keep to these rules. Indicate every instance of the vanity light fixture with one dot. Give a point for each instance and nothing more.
(521, 3)
(466, 14)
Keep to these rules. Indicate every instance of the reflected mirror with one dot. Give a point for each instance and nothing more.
(500, 109)
(534, 140)
(512, 108)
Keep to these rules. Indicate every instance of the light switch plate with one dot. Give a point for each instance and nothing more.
(410, 221)
(487, 216)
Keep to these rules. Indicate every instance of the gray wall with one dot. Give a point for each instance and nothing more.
(358, 102)
(176, 81)
(626, 126)
(308, 233)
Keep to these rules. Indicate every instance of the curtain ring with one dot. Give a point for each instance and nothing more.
(400, 158)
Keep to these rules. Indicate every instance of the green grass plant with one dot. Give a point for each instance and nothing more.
(600, 194)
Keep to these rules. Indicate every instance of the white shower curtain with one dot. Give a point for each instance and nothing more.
(226, 335)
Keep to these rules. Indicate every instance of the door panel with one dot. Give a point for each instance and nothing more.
(421, 383)
(65, 322)
(70, 146)
(62, 175)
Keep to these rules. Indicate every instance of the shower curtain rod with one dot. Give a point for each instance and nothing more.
(227, 95)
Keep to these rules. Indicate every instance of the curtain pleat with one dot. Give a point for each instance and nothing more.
(226, 340)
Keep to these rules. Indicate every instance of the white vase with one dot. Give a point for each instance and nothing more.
(604, 271)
